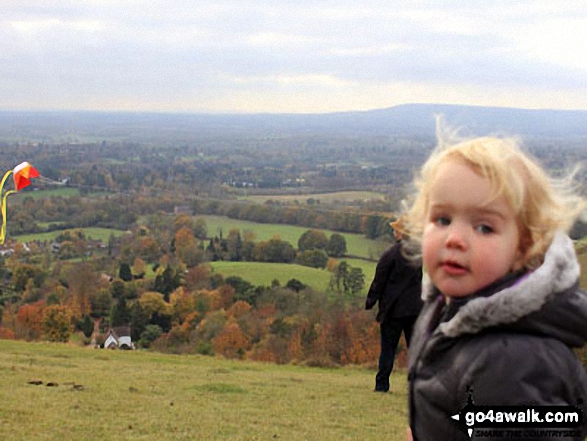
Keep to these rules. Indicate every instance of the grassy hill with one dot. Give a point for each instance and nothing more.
(357, 244)
(259, 273)
(92, 233)
(130, 395)
(338, 196)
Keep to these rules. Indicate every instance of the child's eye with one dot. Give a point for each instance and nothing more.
(484, 229)
(442, 220)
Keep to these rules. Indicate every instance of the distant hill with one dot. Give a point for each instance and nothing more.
(404, 120)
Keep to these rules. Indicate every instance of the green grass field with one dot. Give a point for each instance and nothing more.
(357, 244)
(263, 274)
(136, 395)
(339, 196)
(60, 191)
(93, 233)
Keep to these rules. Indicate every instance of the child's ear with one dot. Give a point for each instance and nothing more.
(523, 248)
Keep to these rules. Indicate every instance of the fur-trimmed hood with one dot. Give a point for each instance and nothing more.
(546, 301)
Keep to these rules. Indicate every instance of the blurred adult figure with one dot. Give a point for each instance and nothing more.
(397, 287)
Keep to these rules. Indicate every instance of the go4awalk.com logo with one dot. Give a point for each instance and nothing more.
(519, 421)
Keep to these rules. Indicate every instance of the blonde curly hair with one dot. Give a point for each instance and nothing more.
(542, 205)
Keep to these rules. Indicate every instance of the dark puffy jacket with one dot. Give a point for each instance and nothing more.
(509, 345)
(397, 286)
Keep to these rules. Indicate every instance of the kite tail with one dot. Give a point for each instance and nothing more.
(3, 229)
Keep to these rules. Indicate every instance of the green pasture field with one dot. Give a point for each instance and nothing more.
(137, 395)
(93, 233)
(61, 191)
(357, 244)
(64, 192)
(262, 274)
(339, 196)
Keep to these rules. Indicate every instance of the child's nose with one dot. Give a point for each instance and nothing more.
(456, 238)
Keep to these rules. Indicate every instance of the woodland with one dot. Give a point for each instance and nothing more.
(153, 272)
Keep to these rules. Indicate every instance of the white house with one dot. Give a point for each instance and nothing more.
(119, 338)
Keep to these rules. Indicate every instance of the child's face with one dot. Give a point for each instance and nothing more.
(467, 243)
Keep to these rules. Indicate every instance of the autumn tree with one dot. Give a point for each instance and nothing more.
(313, 258)
(200, 228)
(183, 221)
(186, 247)
(29, 321)
(154, 302)
(6, 334)
(231, 341)
(23, 272)
(57, 323)
(274, 250)
(198, 277)
(312, 239)
(9, 317)
(149, 249)
(336, 246)
(340, 339)
(31, 292)
(83, 282)
(138, 268)
(211, 325)
(182, 304)
(238, 309)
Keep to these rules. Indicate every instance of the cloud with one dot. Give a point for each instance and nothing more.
(295, 55)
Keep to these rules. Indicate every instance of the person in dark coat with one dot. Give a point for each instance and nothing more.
(397, 287)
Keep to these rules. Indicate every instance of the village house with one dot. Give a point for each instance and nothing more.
(119, 338)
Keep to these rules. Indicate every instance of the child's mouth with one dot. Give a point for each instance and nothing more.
(453, 268)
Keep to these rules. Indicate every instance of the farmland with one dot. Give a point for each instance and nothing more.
(259, 273)
(264, 273)
(92, 233)
(357, 244)
(313, 198)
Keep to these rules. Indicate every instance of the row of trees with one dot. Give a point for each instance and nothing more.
(120, 211)
(372, 225)
(184, 240)
(314, 248)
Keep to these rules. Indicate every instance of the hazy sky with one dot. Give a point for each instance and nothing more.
(291, 56)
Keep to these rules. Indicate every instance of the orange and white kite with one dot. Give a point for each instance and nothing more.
(22, 174)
